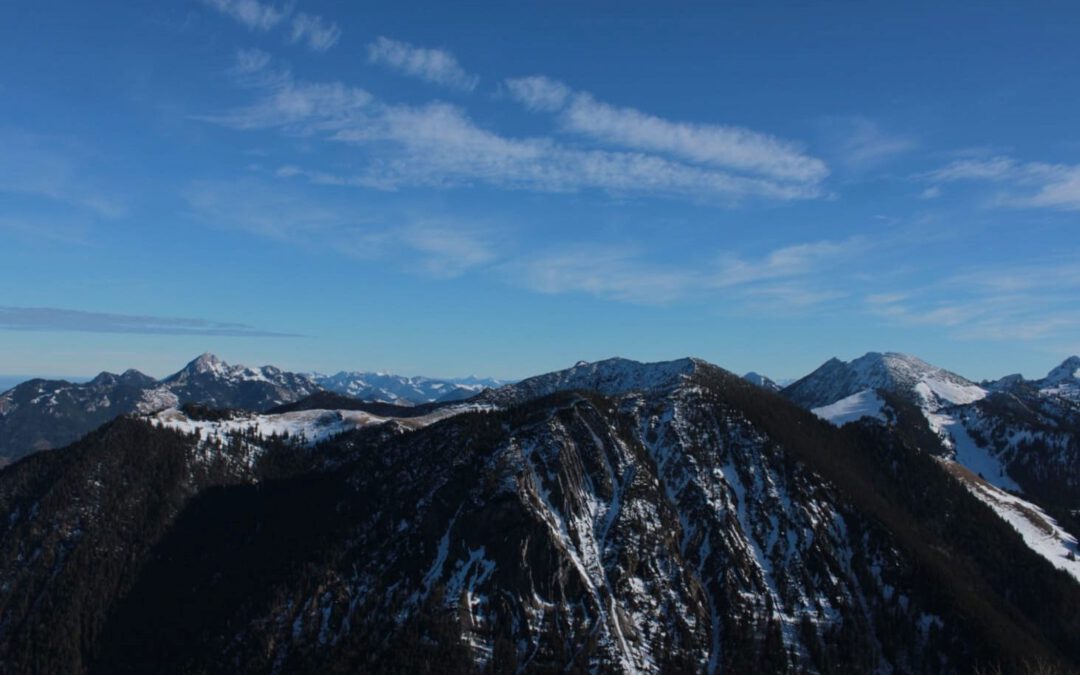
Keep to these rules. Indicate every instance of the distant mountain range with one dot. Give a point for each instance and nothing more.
(613, 517)
(401, 390)
(42, 414)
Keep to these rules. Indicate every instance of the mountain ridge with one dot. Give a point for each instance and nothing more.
(685, 521)
(41, 414)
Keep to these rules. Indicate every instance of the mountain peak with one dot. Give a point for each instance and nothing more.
(103, 378)
(761, 381)
(612, 376)
(1068, 374)
(207, 360)
(1069, 369)
(892, 371)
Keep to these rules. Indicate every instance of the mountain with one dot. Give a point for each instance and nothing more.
(761, 381)
(1064, 380)
(614, 517)
(1015, 444)
(399, 390)
(9, 381)
(608, 377)
(210, 381)
(930, 386)
(1031, 428)
(43, 414)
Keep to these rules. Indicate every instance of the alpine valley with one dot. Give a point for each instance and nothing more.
(882, 515)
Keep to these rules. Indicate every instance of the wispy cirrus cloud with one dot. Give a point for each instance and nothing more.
(786, 262)
(298, 107)
(53, 319)
(860, 143)
(444, 250)
(719, 145)
(730, 147)
(989, 169)
(785, 279)
(1023, 184)
(1031, 301)
(425, 246)
(439, 145)
(317, 33)
(252, 14)
(54, 169)
(538, 92)
(611, 272)
(437, 66)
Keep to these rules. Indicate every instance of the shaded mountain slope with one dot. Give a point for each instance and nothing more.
(684, 520)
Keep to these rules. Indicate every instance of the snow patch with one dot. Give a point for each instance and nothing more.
(1040, 532)
(865, 403)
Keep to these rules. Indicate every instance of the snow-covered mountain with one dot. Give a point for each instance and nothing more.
(931, 386)
(1008, 438)
(210, 381)
(43, 414)
(46, 414)
(610, 377)
(615, 517)
(401, 390)
(1063, 381)
(842, 392)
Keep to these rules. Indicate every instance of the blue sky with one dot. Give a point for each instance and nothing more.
(506, 188)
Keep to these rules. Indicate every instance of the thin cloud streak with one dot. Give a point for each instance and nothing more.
(320, 35)
(1028, 184)
(437, 66)
(861, 144)
(52, 319)
(1024, 302)
(724, 146)
(51, 168)
(312, 30)
(438, 145)
(785, 262)
(614, 273)
(538, 93)
(435, 248)
(252, 14)
(621, 273)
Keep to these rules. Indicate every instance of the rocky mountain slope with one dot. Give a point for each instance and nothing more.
(42, 414)
(614, 517)
(1014, 443)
